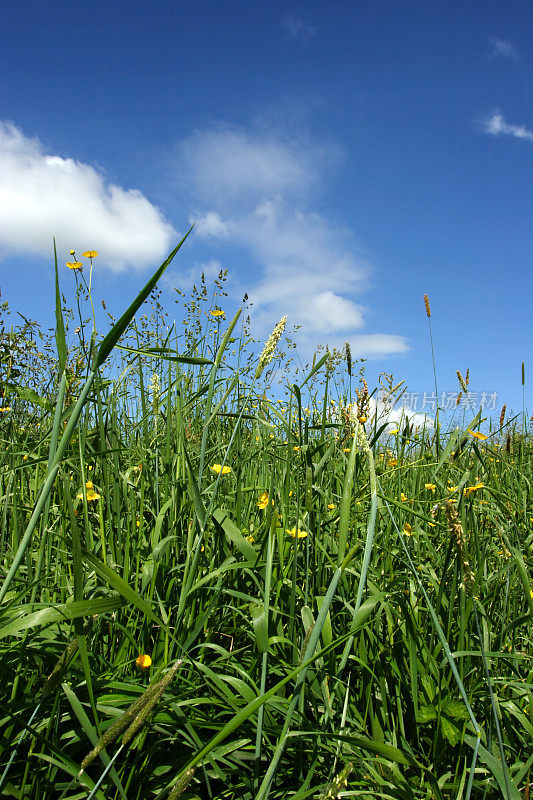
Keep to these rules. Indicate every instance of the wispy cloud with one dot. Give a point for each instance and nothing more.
(495, 125)
(503, 49)
(298, 30)
(44, 195)
(258, 190)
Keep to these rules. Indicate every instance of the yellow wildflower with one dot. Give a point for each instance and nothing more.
(331, 506)
(394, 431)
(452, 489)
(263, 500)
(296, 448)
(74, 264)
(362, 419)
(469, 489)
(296, 533)
(218, 469)
(403, 497)
(392, 462)
(91, 493)
(4, 409)
(217, 313)
(430, 486)
(250, 539)
(407, 529)
(90, 254)
(477, 435)
(143, 661)
(72, 252)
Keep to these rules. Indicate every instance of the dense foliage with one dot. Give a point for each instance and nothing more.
(298, 603)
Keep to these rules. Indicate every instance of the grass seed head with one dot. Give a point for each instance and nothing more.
(270, 347)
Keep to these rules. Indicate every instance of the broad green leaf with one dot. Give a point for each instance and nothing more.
(65, 612)
(118, 583)
(165, 355)
(234, 535)
(450, 731)
(426, 714)
(259, 622)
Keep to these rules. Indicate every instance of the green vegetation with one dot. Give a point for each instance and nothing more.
(206, 593)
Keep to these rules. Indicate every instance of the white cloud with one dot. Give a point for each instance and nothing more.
(503, 49)
(385, 410)
(259, 191)
(298, 30)
(44, 195)
(209, 224)
(377, 344)
(496, 125)
(396, 416)
(229, 165)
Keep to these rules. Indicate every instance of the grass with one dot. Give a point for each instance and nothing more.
(342, 612)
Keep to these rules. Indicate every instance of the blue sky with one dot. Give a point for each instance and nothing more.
(340, 158)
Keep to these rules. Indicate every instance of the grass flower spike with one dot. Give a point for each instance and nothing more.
(270, 347)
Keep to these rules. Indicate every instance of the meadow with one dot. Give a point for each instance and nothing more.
(213, 587)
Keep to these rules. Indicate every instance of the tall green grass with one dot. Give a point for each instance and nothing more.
(320, 622)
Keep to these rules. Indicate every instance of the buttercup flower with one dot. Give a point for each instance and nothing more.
(477, 435)
(407, 529)
(469, 489)
(74, 264)
(91, 493)
(430, 486)
(143, 661)
(90, 254)
(263, 500)
(72, 252)
(296, 533)
(331, 506)
(403, 497)
(217, 313)
(218, 469)
(392, 462)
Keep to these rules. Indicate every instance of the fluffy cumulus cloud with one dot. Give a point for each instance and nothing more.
(44, 195)
(257, 189)
(495, 125)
